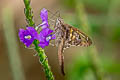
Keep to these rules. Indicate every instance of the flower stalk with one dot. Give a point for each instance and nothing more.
(43, 60)
(40, 51)
(28, 13)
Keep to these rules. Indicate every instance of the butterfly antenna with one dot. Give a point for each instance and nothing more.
(54, 14)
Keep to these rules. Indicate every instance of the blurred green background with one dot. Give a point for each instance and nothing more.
(99, 19)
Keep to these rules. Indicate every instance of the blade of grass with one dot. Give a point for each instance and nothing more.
(92, 52)
(112, 13)
(12, 45)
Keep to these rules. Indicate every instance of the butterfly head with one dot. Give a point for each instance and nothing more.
(59, 21)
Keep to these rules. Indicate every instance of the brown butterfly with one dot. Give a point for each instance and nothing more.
(66, 36)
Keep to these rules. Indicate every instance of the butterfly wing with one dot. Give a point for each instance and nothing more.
(74, 37)
(67, 36)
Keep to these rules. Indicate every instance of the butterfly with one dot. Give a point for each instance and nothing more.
(67, 36)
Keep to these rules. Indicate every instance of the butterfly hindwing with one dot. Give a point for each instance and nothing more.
(74, 37)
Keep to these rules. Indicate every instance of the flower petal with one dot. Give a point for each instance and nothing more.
(44, 15)
(28, 43)
(45, 32)
(41, 38)
(21, 36)
(44, 24)
(43, 35)
(33, 32)
(53, 36)
(43, 44)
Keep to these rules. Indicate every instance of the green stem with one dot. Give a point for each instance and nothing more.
(28, 13)
(43, 61)
(40, 51)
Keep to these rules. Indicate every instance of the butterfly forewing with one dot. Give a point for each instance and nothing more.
(72, 36)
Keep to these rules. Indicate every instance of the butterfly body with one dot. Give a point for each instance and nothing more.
(66, 36)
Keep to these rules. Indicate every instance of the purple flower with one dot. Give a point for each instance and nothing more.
(45, 36)
(44, 17)
(28, 36)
